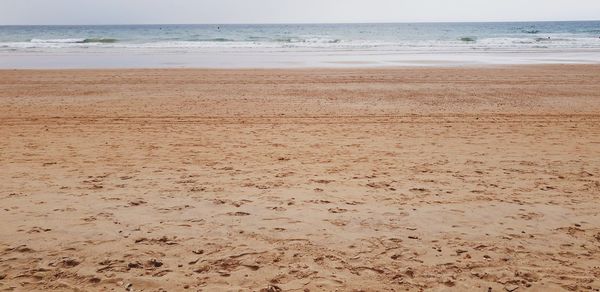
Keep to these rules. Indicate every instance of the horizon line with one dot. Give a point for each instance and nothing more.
(304, 23)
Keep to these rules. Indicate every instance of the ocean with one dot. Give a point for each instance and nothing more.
(299, 45)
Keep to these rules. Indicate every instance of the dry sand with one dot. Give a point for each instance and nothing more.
(295, 180)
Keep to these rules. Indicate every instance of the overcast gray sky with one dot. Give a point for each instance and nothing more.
(289, 11)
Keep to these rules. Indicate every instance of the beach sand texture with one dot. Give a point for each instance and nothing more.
(456, 179)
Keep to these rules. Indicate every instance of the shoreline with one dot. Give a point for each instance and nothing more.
(242, 59)
(299, 69)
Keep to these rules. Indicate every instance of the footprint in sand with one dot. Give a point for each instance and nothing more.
(279, 209)
(337, 210)
(238, 214)
(65, 263)
(338, 222)
(157, 241)
(38, 230)
(318, 201)
(137, 203)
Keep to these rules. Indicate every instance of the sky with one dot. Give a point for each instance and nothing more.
(290, 11)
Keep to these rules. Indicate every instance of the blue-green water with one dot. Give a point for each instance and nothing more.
(426, 36)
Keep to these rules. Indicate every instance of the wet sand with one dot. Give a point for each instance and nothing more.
(294, 180)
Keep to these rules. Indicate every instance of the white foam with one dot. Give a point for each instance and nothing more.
(322, 43)
(57, 41)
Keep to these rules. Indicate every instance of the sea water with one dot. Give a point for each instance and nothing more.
(285, 45)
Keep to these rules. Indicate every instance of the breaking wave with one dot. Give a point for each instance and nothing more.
(468, 39)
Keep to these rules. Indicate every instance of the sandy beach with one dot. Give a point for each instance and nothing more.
(419, 179)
